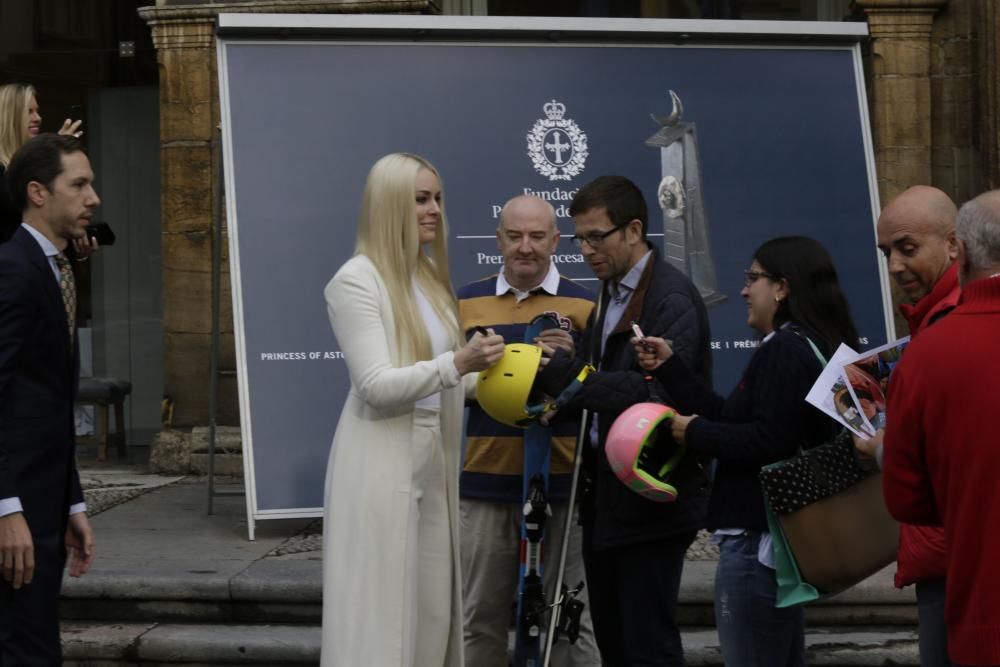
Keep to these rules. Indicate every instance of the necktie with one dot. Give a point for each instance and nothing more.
(619, 293)
(67, 284)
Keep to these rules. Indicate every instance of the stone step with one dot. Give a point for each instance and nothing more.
(289, 590)
(107, 645)
(270, 590)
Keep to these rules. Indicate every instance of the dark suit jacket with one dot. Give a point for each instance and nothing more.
(38, 379)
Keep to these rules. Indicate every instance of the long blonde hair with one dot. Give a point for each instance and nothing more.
(389, 236)
(14, 98)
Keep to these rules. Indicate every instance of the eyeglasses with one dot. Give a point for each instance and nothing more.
(750, 277)
(594, 240)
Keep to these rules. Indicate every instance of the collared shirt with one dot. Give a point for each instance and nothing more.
(50, 250)
(549, 284)
(620, 294)
(12, 505)
(493, 463)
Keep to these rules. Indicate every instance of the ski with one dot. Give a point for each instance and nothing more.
(535, 511)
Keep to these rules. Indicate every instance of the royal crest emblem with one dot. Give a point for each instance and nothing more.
(556, 145)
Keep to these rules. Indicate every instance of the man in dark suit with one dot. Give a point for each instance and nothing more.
(43, 520)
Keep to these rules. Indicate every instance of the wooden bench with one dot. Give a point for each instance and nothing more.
(103, 393)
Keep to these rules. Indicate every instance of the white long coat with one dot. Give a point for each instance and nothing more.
(367, 496)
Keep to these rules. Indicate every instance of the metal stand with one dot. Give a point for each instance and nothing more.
(559, 605)
(213, 382)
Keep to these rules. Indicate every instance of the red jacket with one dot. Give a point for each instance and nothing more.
(942, 457)
(921, 555)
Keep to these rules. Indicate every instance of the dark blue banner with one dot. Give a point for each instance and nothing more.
(779, 146)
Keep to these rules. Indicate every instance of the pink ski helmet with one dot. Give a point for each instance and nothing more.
(639, 457)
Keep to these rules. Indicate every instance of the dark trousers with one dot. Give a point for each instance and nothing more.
(930, 621)
(633, 596)
(29, 616)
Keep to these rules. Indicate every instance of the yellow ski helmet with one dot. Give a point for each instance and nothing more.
(503, 390)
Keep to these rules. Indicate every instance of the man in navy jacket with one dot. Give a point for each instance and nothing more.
(42, 513)
(633, 548)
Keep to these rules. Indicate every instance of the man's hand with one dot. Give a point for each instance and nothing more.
(17, 551)
(79, 544)
(868, 448)
(555, 338)
(84, 246)
(556, 372)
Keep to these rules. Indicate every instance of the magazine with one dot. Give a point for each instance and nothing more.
(852, 388)
(867, 379)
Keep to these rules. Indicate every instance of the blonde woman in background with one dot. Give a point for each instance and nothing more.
(391, 581)
(20, 121)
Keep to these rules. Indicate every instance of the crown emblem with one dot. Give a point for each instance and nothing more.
(556, 145)
(554, 110)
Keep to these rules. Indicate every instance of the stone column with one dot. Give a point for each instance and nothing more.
(900, 90)
(184, 36)
(954, 90)
(988, 25)
(188, 116)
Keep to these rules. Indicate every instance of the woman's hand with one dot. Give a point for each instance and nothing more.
(679, 425)
(479, 353)
(71, 127)
(651, 351)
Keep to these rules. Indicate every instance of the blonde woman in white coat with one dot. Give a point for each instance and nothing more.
(391, 585)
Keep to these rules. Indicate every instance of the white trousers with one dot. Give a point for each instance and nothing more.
(429, 566)
(490, 545)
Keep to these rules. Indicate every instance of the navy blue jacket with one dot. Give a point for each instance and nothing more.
(764, 420)
(38, 379)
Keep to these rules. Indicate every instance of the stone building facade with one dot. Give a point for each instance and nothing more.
(933, 76)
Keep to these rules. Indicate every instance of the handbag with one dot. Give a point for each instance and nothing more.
(829, 524)
(830, 528)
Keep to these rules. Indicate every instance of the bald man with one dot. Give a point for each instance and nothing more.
(491, 502)
(916, 233)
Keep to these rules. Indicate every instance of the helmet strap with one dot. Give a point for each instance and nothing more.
(564, 397)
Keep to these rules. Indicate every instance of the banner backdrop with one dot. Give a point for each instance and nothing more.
(770, 140)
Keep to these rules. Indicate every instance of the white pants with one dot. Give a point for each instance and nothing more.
(490, 542)
(429, 566)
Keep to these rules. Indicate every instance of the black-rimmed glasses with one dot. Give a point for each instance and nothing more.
(594, 240)
(750, 277)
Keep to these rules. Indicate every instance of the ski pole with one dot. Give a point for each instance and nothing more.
(561, 570)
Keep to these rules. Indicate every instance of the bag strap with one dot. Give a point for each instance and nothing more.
(819, 355)
(822, 362)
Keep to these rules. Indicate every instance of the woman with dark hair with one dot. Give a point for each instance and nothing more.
(795, 303)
